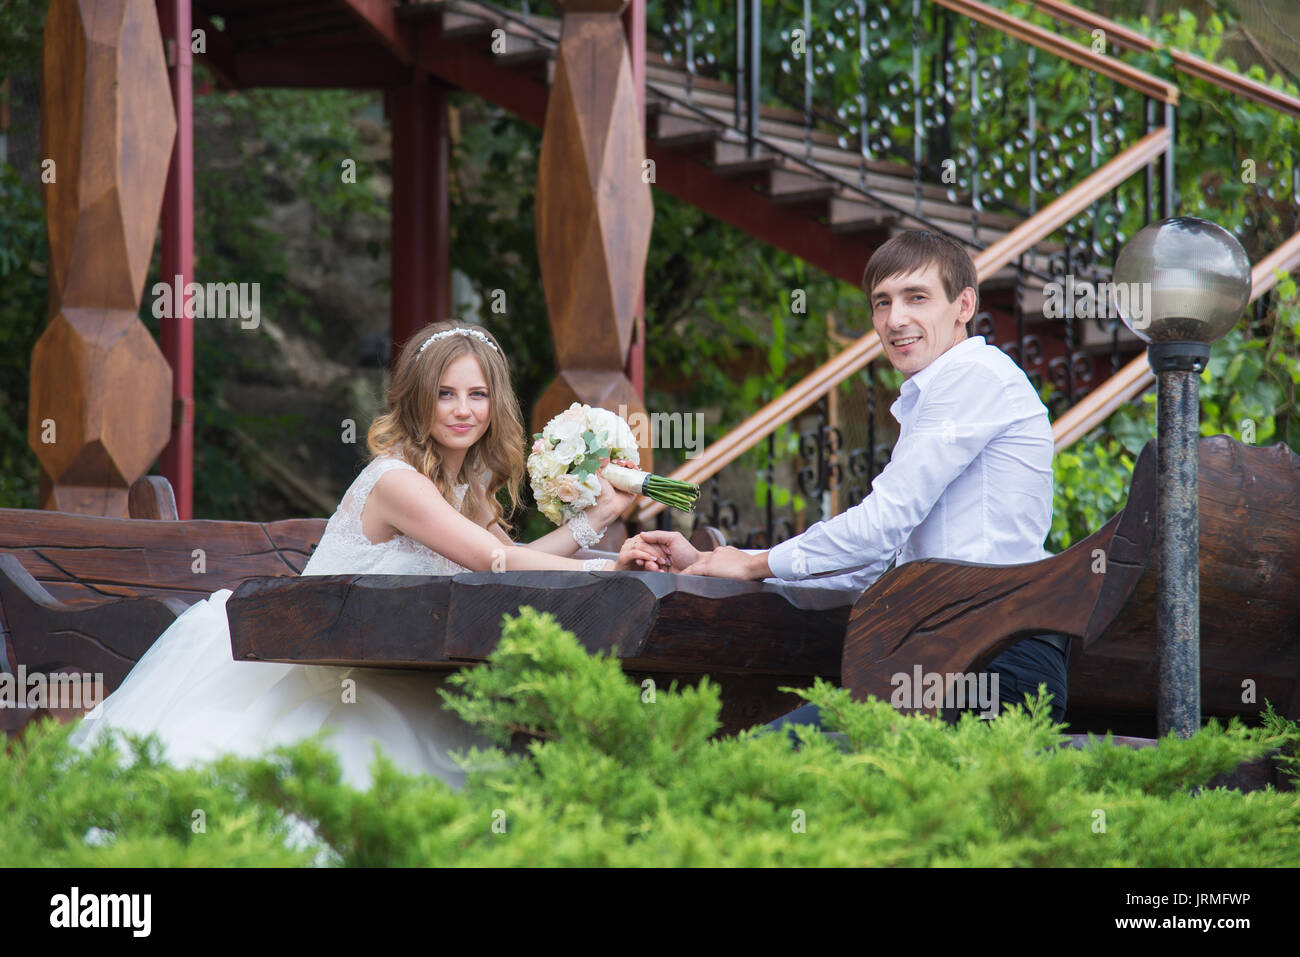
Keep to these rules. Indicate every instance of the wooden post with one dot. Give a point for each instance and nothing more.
(594, 215)
(177, 463)
(100, 388)
(421, 265)
(634, 28)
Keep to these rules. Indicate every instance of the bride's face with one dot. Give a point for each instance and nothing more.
(463, 407)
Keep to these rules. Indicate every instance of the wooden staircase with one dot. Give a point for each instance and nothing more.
(803, 192)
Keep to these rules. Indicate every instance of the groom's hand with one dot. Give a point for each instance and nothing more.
(681, 553)
(728, 562)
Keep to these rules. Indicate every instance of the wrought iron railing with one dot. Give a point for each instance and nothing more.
(891, 100)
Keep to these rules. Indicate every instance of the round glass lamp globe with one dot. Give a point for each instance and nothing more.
(1199, 281)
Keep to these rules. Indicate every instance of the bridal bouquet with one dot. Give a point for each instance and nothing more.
(565, 461)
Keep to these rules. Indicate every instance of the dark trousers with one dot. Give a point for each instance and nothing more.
(1020, 669)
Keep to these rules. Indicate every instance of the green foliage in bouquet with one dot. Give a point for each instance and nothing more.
(618, 774)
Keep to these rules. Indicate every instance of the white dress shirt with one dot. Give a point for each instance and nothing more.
(970, 479)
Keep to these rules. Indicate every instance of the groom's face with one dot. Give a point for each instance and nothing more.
(915, 319)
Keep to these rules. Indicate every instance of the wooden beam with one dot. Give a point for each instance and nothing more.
(278, 22)
(356, 68)
(649, 620)
(219, 52)
(380, 21)
(421, 264)
(471, 66)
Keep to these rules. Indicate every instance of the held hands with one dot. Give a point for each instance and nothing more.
(637, 555)
(680, 553)
(725, 562)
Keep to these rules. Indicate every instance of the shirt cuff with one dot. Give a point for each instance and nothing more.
(787, 560)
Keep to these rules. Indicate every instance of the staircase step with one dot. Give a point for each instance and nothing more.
(845, 164)
(849, 215)
(993, 226)
(787, 186)
(479, 20)
(676, 130)
(521, 52)
(734, 159)
(457, 24)
(710, 93)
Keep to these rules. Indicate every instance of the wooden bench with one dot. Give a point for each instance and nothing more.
(944, 617)
(91, 594)
(953, 618)
(88, 594)
(85, 594)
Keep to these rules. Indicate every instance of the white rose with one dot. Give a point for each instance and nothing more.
(563, 427)
(622, 442)
(571, 449)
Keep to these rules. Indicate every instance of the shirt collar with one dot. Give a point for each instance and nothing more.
(917, 383)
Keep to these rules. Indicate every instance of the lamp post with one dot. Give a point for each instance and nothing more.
(1179, 284)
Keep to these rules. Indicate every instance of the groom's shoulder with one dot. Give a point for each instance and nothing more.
(975, 359)
(977, 365)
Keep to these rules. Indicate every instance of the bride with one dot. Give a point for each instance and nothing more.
(426, 504)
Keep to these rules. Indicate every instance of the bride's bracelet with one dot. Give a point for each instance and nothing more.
(596, 565)
(583, 533)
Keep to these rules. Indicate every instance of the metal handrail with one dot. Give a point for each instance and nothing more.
(1184, 62)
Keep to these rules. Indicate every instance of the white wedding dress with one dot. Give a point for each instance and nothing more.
(189, 690)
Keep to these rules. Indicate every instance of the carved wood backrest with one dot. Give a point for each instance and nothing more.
(82, 558)
(952, 617)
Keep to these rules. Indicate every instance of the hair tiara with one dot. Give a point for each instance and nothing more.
(458, 332)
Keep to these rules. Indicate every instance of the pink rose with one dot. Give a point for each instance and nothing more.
(568, 488)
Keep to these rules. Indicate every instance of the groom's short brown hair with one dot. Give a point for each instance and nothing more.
(917, 248)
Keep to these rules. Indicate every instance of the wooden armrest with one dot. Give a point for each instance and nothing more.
(151, 496)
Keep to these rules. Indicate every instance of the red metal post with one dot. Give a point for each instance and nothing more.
(421, 266)
(634, 25)
(177, 460)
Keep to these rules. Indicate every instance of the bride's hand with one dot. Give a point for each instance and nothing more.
(611, 502)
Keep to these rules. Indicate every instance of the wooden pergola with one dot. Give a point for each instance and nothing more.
(117, 103)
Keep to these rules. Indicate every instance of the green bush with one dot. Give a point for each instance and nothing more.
(611, 778)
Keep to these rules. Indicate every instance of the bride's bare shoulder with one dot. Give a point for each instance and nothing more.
(404, 481)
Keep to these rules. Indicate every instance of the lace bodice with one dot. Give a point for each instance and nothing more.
(345, 550)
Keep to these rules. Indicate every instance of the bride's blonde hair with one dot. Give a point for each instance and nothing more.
(412, 406)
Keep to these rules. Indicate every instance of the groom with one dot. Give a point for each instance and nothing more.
(970, 478)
